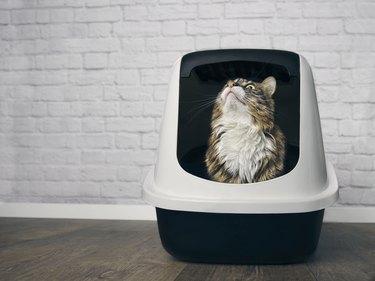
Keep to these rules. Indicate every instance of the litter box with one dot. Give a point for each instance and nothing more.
(276, 221)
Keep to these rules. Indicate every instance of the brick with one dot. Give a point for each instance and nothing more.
(284, 42)
(170, 12)
(62, 173)
(93, 77)
(63, 61)
(174, 28)
(207, 42)
(141, 157)
(130, 124)
(95, 61)
(82, 189)
(98, 173)
(327, 76)
(327, 60)
(97, 3)
(100, 29)
(364, 111)
(366, 10)
(128, 93)
(350, 196)
(363, 178)
(150, 141)
(167, 59)
(23, 16)
(357, 60)
(353, 128)
(155, 76)
(59, 109)
(60, 125)
(210, 11)
(135, 13)
(355, 94)
(93, 157)
(121, 190)
(327, 93)
(131, 108)
(27, 140)
(329, 26)
(60, 3)
(212, 26)
(139, 60)
(94, 141)
(27, 32)
(129, 173)
(127, 77)
(44, 189)
(364, 145)
(92, 125)
(20, 109)
(245, 41)
(88, 45)
(324, 43)
(4, 17)
(61, 15)
(6, 188)
(60, 157)
(112, 14)
(28, 173)
(363, 75)
(334, 110)
(344, 178)
(166, 44)
(329, 127)
(133, 45)
(368, 197)
(289, 10)
(59, 141)
(290, 27)
(42, 16)
(252, 26)
(328, 10)
(358, 26)
(128, 140)
(153, 108)
(88, 93)
(362, 162)
(137, 29)
(243, 10)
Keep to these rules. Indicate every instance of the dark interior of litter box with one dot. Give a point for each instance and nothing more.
(203, 75)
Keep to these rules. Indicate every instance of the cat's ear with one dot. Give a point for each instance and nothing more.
(269, 85)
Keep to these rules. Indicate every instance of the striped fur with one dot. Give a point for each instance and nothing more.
(245, 144)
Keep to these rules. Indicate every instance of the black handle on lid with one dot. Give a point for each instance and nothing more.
(287, 59)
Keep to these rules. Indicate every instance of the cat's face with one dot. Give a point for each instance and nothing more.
(240, 98)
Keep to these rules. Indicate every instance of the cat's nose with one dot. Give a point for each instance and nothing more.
(231, 84)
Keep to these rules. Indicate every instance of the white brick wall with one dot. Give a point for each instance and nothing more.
(82, 86)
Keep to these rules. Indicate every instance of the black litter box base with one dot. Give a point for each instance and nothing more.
(239, 238)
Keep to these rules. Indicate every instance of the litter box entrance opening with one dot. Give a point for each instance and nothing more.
(203, 77)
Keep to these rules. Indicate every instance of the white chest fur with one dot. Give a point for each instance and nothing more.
(243, 146)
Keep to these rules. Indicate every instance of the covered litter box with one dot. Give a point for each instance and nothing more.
(272, 220)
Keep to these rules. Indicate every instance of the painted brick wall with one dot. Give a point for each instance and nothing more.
(82, 86)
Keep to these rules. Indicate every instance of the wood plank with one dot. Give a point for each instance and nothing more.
(45, 249)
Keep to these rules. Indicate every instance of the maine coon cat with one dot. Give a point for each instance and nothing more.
(245, 144)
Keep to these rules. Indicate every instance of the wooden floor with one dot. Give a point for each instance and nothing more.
(45, 249)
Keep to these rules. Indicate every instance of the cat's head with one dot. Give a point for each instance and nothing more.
(244, 99)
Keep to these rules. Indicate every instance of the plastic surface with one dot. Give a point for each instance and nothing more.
(239, 238)
(310, 186)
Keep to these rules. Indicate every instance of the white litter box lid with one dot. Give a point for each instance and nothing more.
(311, 185)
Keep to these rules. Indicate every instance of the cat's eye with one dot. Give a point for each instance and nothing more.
(250, 86)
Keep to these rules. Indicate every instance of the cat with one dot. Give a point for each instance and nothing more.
(245, 144)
